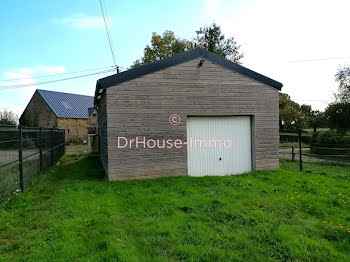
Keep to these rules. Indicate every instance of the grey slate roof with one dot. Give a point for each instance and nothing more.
(66, 105)
(180, 58)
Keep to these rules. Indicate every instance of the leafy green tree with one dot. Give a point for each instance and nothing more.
(343, 78)
(338, 115)
(212, 39)
(29, 120)
(306, 114)
(162, 47)
(289, 117)
(207, 37)
(317, 120)
(293, 115)
(8, 117)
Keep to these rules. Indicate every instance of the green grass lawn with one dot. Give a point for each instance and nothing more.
(73, 214)
(296, 134)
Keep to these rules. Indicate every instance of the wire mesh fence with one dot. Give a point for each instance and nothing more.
(325, 145)
(24, 154)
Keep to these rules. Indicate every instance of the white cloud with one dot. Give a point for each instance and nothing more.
(19, 73)
(211, 6)
(82, 21)
(23, 76)
(274, 32)
(51, 70)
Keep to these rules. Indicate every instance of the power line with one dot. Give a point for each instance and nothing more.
(107, 31)
(54, 81)
(104, 4)
(318, 59)
(311, 100)
(68, 73)
(107, 20)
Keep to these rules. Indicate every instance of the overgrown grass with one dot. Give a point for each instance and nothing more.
(74, 214)
(334, 170)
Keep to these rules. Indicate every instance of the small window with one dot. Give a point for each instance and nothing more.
(66, 105)
(68, 131)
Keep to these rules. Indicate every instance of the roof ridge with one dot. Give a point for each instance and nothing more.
(46, 101)
(67, 105)
(130, 74)
(39, 90)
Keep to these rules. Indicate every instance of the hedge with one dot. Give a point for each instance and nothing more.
(295, 138)
(330, 143)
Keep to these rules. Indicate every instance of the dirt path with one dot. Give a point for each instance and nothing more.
(287, 154)
(7, 156)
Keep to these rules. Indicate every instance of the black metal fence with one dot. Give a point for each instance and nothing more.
(325, 145)
(24, 154)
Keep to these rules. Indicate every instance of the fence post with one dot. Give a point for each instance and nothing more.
(41, 149)
(64, 141)
(20, 158)
(293, 154)
(51, 142)
(300, 153)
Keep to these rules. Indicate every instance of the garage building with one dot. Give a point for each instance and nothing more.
(195, 114)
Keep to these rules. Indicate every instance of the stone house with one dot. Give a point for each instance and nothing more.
(72, 112)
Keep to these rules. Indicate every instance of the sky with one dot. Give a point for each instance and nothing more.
(49, 40)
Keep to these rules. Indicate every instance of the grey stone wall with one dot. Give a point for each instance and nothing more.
(38, 114)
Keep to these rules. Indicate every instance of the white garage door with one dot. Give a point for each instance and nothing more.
(218, 146)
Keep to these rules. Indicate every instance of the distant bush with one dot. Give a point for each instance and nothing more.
(8, 117)
(291, 137)
(330, 143)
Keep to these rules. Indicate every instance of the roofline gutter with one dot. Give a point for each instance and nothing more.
(97, 92)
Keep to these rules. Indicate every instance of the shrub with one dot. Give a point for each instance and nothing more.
(330, 143)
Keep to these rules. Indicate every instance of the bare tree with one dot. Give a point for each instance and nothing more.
(8, 117)
(343, 78)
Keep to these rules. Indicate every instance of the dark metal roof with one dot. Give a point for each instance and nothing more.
(180, 58)
(90, 110)
(66, 105)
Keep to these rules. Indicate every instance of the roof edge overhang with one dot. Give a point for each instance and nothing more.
(98, 91)
(177, 59)
(37, 91)
(47, 103)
